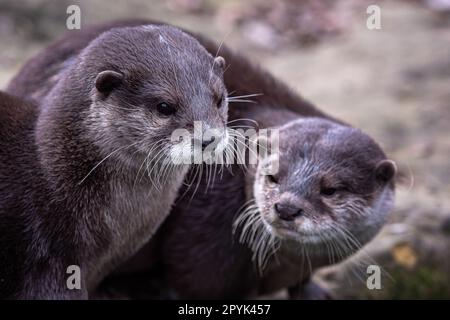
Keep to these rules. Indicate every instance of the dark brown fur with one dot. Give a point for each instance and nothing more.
(198, 256)
(242, 76)
(197, 253)
(54, 214)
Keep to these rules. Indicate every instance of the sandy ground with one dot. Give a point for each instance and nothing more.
(394, 83)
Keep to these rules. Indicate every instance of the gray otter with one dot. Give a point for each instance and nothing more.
(250, 233)
(73, 189)
(198, 255)
(231, 272)
(330, 196)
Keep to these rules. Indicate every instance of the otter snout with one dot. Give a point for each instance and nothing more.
(287, 211)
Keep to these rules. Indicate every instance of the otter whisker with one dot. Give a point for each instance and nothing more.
(161, 163)
(152, 163)
(246, 95)
(240, 100)
(327, 246)
(190, 180)
(153, 146)
(208, 176)
(241, 146)
(331, 249)
(305, 248)
(347, 246)
(340, 258)
(254, 233)
(249, 218)
(363, 258)
(156, 161)
(240, 127)
(232, 149)
(246, 212)
(105, 158)
(244, 119)
(199, 179)
(216, 166)
(226, 68)
(166, 171)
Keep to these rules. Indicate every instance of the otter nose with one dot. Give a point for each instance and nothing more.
(203, 142)
(207, 142)
(287, 212)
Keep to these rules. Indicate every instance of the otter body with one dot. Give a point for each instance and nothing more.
(87, 188)
(249, 234)
(242, 76)
(199, 257)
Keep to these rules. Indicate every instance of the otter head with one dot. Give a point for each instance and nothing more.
(333, 187)
(146, 82)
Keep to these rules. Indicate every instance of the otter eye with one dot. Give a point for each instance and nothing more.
(328, 192)
(165, 108)
(272, 179)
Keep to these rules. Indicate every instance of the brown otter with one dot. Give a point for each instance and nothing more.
(87, 178)
(244, 78)
(200, 258)
(330, 196)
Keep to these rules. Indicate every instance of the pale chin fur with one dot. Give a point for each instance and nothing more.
(307, 235)
(375, 216)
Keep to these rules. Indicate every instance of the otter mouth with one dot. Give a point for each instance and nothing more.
(284, 231)
(210, 153)
(290, 231)
(192, 151)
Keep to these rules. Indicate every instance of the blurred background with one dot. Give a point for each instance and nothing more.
(394, 83)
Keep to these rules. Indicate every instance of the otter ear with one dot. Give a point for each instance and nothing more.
(220, 62)
(108, 80)
(385, 170)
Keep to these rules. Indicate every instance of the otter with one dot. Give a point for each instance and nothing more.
(86, 175)
(195, 250)
(274, 102)
(250, 233)
(242, 77)
(331, 195)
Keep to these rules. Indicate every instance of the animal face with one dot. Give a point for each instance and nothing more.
(334, 185)
(154, 80)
